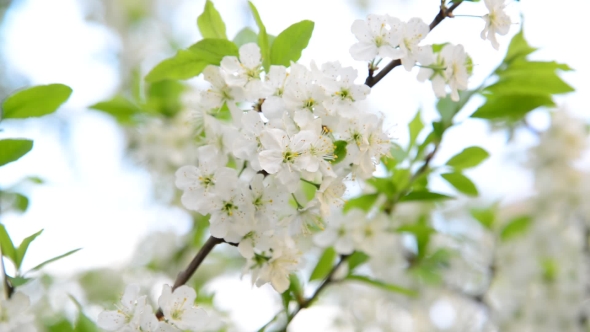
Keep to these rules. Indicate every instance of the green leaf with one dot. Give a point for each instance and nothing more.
(364, 202)
(339, 151)
(12, 149)
(422, 231)
(36, 101)
(18, 281)
(515, 227)
(191, 62)
(518, 48)
(122, 109)
(486, 217)
(63, 325)
(245, 36)
(21, 202)
(40, 266)
(423, 196)
(528, 82)
(447, 108)
(324, 265)
(263, 41)
(415, 127)
(184, 65)
(511, 106)
(469, 157)
(438, 47)
(164, 98)
(383, 186)
(356, 259)
(8, 249)
(23, 247)
(212, 51)
(461, 183)
(210, 23)
(290, 43)
(383, 285)
(295, 286)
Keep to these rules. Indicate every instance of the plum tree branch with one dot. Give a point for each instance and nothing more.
(442, 14)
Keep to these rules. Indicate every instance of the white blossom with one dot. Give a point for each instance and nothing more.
(497, 21)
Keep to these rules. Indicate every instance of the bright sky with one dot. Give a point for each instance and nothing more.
(93, 199)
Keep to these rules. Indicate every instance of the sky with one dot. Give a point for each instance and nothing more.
(95, 199)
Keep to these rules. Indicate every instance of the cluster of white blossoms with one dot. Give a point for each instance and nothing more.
(383, 36)
(136, 314)
(14, 315)
(294, 137)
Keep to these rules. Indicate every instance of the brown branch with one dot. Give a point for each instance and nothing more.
(306, 303)
(185, 275)
(442, 14)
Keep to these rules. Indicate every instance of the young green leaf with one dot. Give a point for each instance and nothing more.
(518, 48)
(461, 183)
(383, 285)
(12, 149)
(8, 249)
(364, 202)
(415, 127)
(21, 251)
(324, 265)
(356, 259)
(184, 65)
(339, 151)
(469, 157)
(36, 101)
(263, 41)
(486, 217)
(512, 107)
(122, 109)
(245, 36)
(40, 266)
(210, 23)
(383, 186)
(290, 43)
(191, 62)
(515, 227)
(423, 196)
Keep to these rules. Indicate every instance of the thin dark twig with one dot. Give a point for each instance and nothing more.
(185, 275)
(442, 14)
(306, 303)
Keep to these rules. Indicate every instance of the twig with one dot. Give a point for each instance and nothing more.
(442, 14)
(306, 303)
(185, 275)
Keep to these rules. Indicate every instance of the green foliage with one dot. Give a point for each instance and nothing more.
(383, 186)
(461, 183)
(428, 267)
(382, 285)
(263, 40)
(324, 265)
(122, 109)
(515, 227)
(14, 201)
(364, 202)
(210, 23)
(192, 61)
(469, 157)
(522, 85)
(550, 270)
(423, 195)
(339, 151)
(447, 108)
(290, 43)
(6, 244)
(12, 149)
(51, 260)
(486, 217)
(415, 127)
(356, 259)
(23, 247)
(422, 232)
(164, 97)
(35, 101)
(245, 36)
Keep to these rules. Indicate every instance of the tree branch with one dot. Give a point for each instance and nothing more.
(185, 275)
(442, 14)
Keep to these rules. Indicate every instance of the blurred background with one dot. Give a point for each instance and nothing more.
(106, 187)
